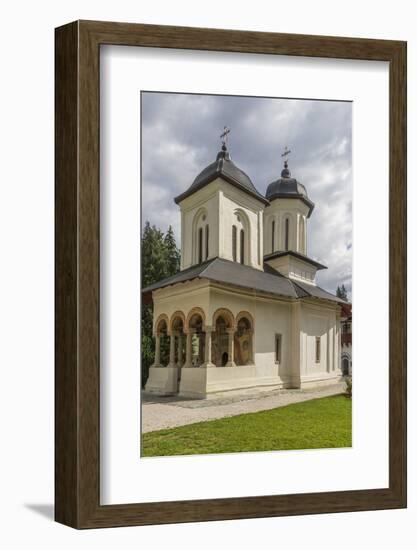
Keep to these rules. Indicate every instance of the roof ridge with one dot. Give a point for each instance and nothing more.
(300, 288)
(208, 264)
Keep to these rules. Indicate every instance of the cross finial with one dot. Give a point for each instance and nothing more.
(224, 135)
(286, 153)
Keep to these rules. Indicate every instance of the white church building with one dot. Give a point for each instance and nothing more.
(244, 311)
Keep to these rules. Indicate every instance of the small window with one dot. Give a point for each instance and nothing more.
(242, 246)
(200, 245)
(287, 233)
(278, 342)
(273, 236)
(318, 350)
(234, 243)
(207, 241)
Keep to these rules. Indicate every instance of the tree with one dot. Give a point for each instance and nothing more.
(172, 253)
(160, 259)
(341, 292)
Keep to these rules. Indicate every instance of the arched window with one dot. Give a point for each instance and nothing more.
(242, 246)
(301, 244)
(234, 243)
(273, 236)
(287, 233)
(198, 237)
(200, 245)
(207, 241)
(243, 342)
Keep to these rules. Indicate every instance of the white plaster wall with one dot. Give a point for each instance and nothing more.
(206, 199)
(182, 297)
(278, 210)
(294, 268)
(271, 316)
(321, 322)
(233, 202)
(222, 202)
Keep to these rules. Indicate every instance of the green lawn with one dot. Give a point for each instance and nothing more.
(315, 424)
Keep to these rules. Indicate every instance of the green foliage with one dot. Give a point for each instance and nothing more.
(348, 382)
(160, 259)
(341, 292)
(315, 424)
(172, 252)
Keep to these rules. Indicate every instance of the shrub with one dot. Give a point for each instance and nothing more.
(348, 382)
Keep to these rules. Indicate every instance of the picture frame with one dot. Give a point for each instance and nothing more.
(77, 336)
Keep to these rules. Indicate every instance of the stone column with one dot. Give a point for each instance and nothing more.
(231, 348)
(157, 360)
(207, 355)
(171, 350)
(180, 358)
(188, 349)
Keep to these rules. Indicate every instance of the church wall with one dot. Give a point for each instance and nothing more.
(271, 317)
(278, 210)
(221, 203)
(206, 200)
(183, 298)
(319, 322)
(297, 322)
(232, 204)
(294, 268)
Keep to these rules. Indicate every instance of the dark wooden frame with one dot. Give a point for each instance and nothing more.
(77, 274)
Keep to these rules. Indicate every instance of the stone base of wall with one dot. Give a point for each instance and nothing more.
(162, 381)
(200, 382)
(321, 379)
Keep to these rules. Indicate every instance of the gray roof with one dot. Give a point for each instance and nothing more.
(287, 187)
(224, 168)
(235, 274)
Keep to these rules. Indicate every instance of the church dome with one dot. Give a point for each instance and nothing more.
(223, 167)
(287, 187)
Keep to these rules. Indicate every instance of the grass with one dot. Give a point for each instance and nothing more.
(316, 424)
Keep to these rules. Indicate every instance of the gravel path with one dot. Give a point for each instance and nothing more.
(167, 412)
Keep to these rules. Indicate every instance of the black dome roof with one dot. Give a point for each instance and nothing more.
(287, 187)
(223, 167)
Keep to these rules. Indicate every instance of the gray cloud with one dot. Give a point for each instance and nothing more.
(180, 136)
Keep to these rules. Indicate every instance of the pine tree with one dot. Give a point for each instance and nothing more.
(160, 259)
(172, 253)
(341, 292)
(153, 255)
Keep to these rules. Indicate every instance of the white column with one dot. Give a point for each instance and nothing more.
(157, 360)
(231, 348)
(188, 350)
(180, 358)
(171, 350)
(207, 354)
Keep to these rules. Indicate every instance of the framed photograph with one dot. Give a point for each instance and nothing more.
(230, 257)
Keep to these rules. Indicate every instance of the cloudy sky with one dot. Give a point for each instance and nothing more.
(180, 137)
